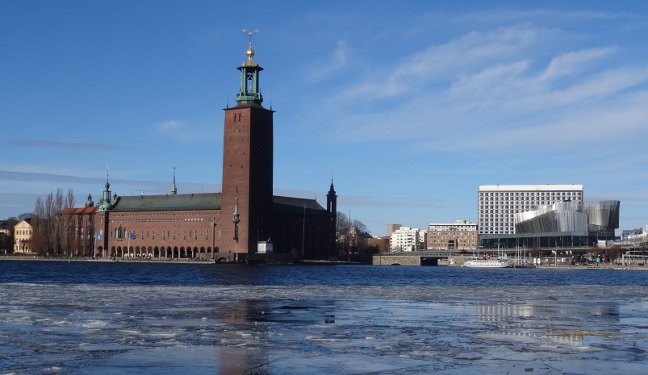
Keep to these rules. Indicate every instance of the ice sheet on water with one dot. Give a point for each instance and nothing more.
(310, 328)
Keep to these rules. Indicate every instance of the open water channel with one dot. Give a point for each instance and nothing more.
(127, 318)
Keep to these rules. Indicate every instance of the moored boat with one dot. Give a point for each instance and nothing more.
(487, 263)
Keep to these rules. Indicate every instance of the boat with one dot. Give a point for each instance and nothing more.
(487, 262)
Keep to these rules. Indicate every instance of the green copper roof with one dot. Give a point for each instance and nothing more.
(170, 202)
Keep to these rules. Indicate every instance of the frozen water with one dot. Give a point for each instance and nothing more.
(315, 324)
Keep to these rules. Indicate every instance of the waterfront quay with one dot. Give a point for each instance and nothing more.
(542, 257)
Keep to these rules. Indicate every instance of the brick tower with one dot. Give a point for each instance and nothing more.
(246, 200)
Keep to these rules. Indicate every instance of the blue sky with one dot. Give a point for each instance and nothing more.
(408, 105)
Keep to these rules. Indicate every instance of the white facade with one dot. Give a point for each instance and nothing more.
(498, 204)
(456, 226)
(407, 239)
(22, 236)
(639, 238)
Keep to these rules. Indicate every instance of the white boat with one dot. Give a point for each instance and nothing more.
(487, 263)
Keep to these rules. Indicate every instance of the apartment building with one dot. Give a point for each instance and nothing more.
(459, 235)
(498, 204)
(407, 239)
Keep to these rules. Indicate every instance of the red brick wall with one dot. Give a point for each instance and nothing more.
(247, 176)
(164, 230)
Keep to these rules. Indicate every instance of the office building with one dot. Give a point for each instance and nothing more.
(498, 204)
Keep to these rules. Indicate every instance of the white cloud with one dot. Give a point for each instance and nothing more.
(330, 65)
(444, 62)
(576, 129)
(574, 61)
(182, 132)
(494, 90)
(493, 82)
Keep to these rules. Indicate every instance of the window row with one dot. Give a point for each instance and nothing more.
(195, 234)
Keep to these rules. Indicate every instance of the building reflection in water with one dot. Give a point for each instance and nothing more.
(249, 327)
(558, 323)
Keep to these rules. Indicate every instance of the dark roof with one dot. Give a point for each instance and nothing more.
(290, 204)
(203, 201)
(169, 202)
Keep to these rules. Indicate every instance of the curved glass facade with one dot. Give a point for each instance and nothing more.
(562, 224)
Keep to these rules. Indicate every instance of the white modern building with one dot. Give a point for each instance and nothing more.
(639, 236)
(407, 239)
(498, 204)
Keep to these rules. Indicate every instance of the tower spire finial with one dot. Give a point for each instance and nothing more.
(174, 188)
(250, 51)
(106, 201)
(250, 33)
(107, 183)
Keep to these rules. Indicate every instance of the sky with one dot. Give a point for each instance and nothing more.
(408, 106)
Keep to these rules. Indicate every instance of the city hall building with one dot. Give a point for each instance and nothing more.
(243, 219)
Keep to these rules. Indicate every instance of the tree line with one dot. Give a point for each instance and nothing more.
(351, 238)
(53, 232)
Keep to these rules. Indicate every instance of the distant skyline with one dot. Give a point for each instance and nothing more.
(408, 106)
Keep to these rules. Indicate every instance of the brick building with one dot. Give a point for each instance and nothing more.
(224, 226)
(460, 235)
(80, 227)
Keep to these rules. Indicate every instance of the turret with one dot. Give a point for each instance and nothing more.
(89, 202)
(331, 207)
(331, 199)
(106, 201)
(249, 90)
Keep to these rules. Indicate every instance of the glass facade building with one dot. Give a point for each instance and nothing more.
(561, 224)
(498, 204)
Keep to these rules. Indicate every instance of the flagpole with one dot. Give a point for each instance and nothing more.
(128, 246)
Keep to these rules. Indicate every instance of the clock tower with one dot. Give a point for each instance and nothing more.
(246, 199)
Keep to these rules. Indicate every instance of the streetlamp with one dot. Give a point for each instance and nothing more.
(213, 237)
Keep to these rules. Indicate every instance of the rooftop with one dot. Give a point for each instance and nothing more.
(202, 201)
(546, 187)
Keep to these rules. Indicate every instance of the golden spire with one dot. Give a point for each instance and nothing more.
(250, 51)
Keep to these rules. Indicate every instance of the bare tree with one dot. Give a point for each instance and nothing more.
(51, 231)
(67, 223)
(40, 228)
(349, 234)
(58, 229)
(8, 240)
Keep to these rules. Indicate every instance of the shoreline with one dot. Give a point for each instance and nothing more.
(36, 258)
(302, 262)
(606, 267)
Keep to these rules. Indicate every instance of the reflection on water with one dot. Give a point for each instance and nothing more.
(319, 327)
(559, 324)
